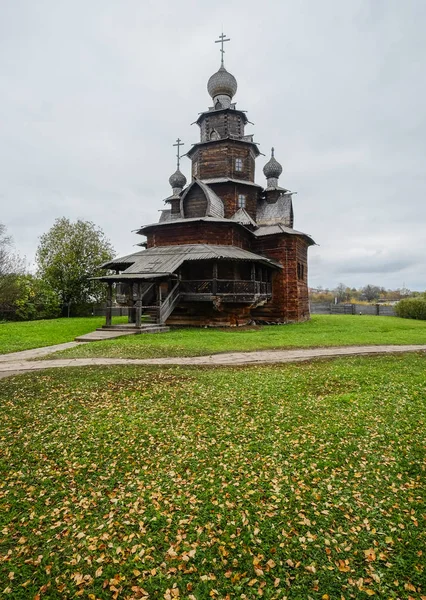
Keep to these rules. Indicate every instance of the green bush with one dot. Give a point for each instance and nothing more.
(412, 308)
(36, 300)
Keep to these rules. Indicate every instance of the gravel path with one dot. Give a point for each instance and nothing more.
(20, 362)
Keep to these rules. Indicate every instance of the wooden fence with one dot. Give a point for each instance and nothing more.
(326, 308)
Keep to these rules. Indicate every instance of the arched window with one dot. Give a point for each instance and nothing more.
(241, 201)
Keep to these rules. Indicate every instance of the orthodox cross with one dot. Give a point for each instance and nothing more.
(179, 143)
(221, 40)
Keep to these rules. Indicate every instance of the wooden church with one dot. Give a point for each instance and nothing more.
(224, 252)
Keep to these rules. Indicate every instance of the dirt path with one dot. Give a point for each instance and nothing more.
(21, 362)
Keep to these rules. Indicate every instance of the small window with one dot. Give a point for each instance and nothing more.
(241, 201)
(300, 271)
(195, 169)
(238, 164)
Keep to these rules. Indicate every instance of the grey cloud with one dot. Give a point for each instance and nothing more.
(93, 94)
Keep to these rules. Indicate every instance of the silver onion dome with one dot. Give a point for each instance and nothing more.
(222, 83)
(272, 169)
(177, 180)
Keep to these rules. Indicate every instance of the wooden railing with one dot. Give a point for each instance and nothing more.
(227, 286)
(168, 304)
(123, 298)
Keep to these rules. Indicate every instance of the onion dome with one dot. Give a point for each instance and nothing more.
(272, 169)
(177, 180)
(222, 83)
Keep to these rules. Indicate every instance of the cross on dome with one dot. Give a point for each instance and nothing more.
(178, 179)
(179, 143)
(222, 39)
(222, 86)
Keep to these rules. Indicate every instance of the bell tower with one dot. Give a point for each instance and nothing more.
(224, 158)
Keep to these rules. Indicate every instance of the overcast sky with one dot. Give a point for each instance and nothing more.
(94, 93)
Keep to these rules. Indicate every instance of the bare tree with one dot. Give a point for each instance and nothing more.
(371, 292)
(341, 292)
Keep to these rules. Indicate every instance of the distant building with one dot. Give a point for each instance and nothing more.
(224, 251)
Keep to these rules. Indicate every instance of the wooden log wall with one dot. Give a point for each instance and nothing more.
(195, 203)
(225, 123)
(218, 160)
(200, 232)
(228, 193)
(201, 314)
(290, 302)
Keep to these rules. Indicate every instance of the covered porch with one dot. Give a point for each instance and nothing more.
(149, 299)
(156, 281)
(231, 281)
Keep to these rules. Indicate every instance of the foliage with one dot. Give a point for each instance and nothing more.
(412, 308)
(11, 266)
(68, 255)
(320, 331)
(35, 334)
(342, 293)
(36, 300)
(371, 292)
(303, 481)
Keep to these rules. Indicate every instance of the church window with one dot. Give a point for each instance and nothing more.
(241, 201)
(300, 271)
(238, 164)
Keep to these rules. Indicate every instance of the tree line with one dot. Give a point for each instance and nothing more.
(67, 257)
(369, 293)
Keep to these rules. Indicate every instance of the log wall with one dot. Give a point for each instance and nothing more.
(218, 160)
(228, 193)
(290, 301)
(224, 123)
(200, 232)
(201, 314)
(195, 203)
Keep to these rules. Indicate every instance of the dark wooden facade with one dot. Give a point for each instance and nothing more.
(224, 252)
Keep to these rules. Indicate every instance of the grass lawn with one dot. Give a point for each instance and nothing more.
(35, 334)
(321, 330)
(298, 481)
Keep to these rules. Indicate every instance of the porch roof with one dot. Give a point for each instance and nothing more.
(134, 277)
(165, 260)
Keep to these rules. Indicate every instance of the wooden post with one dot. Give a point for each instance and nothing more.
(138, 306)
(253, 277)
(108, 315)
(214, 277)
(130, 303)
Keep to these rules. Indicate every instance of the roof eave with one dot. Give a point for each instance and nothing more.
(208, 113)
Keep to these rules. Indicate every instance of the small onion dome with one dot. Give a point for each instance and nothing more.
(177, 180)
(272, 169)
(222, 83)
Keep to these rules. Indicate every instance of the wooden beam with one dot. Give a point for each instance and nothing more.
(214, 282)
(108, 314)
(138, 306)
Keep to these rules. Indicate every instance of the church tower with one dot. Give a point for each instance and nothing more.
(224, 158)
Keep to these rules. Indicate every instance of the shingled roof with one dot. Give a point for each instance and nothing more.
(165, 260)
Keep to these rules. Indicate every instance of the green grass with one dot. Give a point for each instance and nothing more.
(299, 481)
(321, 330)
(35, 334)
